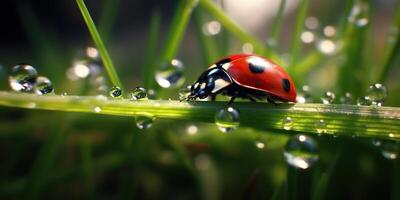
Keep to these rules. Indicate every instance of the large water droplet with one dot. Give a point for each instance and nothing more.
(359, 14)
(43, 86)
(138, 93)
(346, 99)
(116, 92)
(377, 93)
(328, 97)
(227, 119)
(301, 152)
(364, 101)
(287, 123)
(144, 121)
(22, 78)
(170, 74)
(320, 126)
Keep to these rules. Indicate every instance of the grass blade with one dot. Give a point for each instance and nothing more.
(276, 26)
(105, 57)
(107, 19)
(149, 62)
(296, 42)
(345, 120)
(87, 167)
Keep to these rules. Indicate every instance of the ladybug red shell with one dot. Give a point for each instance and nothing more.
(247, 76)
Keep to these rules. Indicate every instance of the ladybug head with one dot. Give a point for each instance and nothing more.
(210, 82)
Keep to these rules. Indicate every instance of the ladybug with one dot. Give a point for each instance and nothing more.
(246, 76)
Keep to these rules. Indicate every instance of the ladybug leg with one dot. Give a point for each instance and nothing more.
(232, 99)
(251, 98)
(213, 97)
(270, 99)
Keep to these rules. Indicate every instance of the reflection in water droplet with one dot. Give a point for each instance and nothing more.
(377, 93)
(227, 119)
(115, 92)
(364, 101)
(287, 123)
(22, 78)
(305, 95)
(328, 97)
(192, 130)
(43, 86)
(321, 125)
(170, 74)
(347, 99)
(144, 121)
(359, 14)
(301, 152)
(138, 93)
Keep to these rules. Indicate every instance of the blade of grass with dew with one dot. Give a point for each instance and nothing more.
(207, 43)
(105, 57)
(87, 166)
(345, 120)
(149, 61)
(235, 29)
(107, 19)
(45, 160)
(392, 49)
(276, 26)
(296, 41)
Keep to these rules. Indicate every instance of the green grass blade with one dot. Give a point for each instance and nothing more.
(45, 161)
(87, 166)
(296, 42)
(177, 29)
(105, 57)
(108, 15)
(277, 24)
(149, 62)
(235, 29)
(345, 120)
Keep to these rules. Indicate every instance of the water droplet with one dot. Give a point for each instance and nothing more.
(80, 69)
(192, 130)
(311, 22)
(347, 99)
(92, 53)
(321, 125)
(151, 94)
(390, 149)
(184, 93)
(327, 46)
(138, 93)
(116, 92)
(259, 145)
(376, 142)
(305, 95)
(364, 101)
(247, 48)
(329, 31)
(144, 120)
(307, 37)
(328, 97)
(170, 74)
(97, 109)
(43, 86)
(22, 78)
(227, 119)
(64, 94)
(377, 93)
(287, 123)
(301, 152)
(359, 14)
(212, 28)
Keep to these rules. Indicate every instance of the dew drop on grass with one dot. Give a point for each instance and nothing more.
(328, 97)
(320, 126)
(192, 130)
(138, 93)
(377, 93)
(305, 95)
(170, 74)
(390, 149)
(43, 86)
(347, 99)
(151, 94)
(301, 152)
(144, 121)
(22, 78)
(116, 92)
(97, 109)
(227, 119)
(287, 123)
(359, 14)
(364, 101)
(259, 144)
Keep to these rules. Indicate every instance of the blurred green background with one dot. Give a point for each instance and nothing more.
(55, 155)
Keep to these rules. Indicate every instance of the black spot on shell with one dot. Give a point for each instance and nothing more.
(255, 68)
(286, 85)
(221, 62)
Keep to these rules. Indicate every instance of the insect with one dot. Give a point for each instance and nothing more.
(246, 76)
